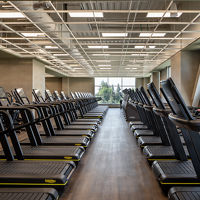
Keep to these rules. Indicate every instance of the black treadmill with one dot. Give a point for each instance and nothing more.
(184, 193)
(73, 107)
(72, 112)
(181, 172)
(29, 173)
(160, 135)
(83, 109)
(135, 101)
(164, 152)
(142, 113)
(67, 124)
(45, 109)
(28, 194)
(35, 148)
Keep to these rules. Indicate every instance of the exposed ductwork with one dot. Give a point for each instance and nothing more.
(53, 30)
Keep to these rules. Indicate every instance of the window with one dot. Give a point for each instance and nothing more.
(168, 71)
(110, 88)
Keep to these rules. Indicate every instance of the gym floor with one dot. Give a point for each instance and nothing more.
(113, 167)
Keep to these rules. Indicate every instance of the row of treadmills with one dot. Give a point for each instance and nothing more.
(58, 129)
(168, 134)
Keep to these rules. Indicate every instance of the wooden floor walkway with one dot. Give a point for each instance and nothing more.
(113, 167)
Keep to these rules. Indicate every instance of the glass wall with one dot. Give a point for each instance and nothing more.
(110, 88)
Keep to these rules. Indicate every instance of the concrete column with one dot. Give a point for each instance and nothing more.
(146, 80)
(163, 74)
(184, 70)
(38, 75)
(155, 77)
(138, 82)
(22, 73)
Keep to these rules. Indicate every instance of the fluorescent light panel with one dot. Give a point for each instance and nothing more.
(167, 14)
(77, 68)
(105, 68)
(104, 65)
(152, 34)
(114, 34)
(139, 47)
(51, 47)
(86, 14)
(32, 34)
(11, 15)
(97, 47)
(152, 47)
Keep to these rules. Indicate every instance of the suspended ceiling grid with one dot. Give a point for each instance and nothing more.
(77, 46)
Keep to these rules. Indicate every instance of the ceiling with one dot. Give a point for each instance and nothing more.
(141, 34)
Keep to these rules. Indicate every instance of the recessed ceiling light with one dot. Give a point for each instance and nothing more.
(134, 68)
(101, 55)
(167, 14)
(51, 47)
(152, 47)
(97, 47)
(104, 65)
(152, 34)
(33, 34)
(11, 15)
(86, 14)
(114, 34)
(105, 68)
(139, 47)
(60, 54)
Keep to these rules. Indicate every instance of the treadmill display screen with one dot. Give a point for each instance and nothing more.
(20, 91)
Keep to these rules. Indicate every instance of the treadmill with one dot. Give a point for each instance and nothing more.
(83, 108)
(138, 128)
(72, 105)
(164, 152)
(184, 193)
(71, 113)
(43, 112)
(67, 124)
(75, 136)
(34, 147)
(187, 172)
(134, 100)
(160, 136)
(91, 103)
(28, 193)
(29, 173)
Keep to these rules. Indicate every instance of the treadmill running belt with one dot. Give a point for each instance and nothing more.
(139, 133)
(62, 140)
(34, 173)
(54, 153)
(160, 152)
(175, 172)
(184, 193)
(28, 194)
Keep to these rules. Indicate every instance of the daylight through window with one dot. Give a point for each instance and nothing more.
(110, 89)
